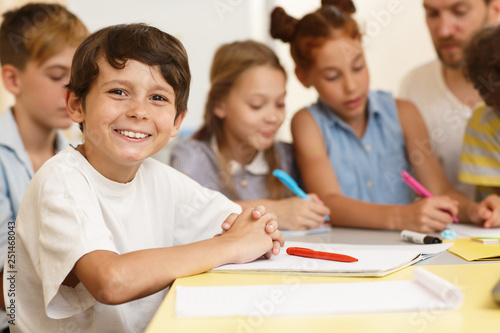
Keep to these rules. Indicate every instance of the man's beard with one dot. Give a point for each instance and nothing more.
(458, 62)
(453, 62)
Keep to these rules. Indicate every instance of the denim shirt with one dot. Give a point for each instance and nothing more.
(16, 172)
(367, 169)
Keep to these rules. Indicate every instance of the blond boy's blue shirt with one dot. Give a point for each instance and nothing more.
(16, 172)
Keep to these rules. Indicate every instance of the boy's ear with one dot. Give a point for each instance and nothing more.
(177, 124)
(494, 11)
(75, 109)
(10, 78)
(302, 76)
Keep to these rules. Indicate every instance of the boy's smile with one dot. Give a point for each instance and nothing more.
(129, 115)
(133, 135)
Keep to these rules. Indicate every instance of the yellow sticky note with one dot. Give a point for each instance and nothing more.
(471, 250)
(486, 240)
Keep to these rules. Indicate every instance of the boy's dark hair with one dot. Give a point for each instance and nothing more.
(482, 64)
(38, 32)
(141, 42)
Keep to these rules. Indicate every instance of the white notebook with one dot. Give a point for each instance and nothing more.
(426, 292)
(373, 260)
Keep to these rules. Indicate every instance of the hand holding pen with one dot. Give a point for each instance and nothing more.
(316, 209)
(420, 190)
(428, 215)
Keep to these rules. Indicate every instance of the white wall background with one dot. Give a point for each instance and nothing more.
(396, 38)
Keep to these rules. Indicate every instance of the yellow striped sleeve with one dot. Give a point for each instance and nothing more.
(483, 161)
(482, 180)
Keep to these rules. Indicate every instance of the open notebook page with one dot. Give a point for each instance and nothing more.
(373, 260)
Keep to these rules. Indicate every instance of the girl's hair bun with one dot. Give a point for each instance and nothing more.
(347, 6)
(282, 25)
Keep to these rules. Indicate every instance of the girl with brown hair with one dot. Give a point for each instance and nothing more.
(235, 151)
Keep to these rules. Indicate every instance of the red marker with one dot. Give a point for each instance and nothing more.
(303, 252)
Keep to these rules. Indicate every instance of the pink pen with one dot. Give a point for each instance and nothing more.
(419, 189)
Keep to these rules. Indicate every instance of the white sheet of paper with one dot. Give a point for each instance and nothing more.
(426, 292)
(465, 230)
(373, 260)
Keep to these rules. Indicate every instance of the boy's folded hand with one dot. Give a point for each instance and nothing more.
(256, 233)
(257, 213)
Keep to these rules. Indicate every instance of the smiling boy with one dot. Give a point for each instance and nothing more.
(103, 229)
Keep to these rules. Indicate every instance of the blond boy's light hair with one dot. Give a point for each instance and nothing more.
(36, 32)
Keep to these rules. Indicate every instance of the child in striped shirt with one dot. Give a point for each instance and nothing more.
(480, 160)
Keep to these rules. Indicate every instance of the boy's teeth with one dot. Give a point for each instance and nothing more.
(133, 134)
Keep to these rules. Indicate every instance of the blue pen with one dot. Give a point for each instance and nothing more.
(292, 185)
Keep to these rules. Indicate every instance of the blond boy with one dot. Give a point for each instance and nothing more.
(37, 43)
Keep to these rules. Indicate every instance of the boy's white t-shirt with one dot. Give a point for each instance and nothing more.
(69, 210)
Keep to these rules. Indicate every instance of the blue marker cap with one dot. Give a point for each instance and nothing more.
(449, 234)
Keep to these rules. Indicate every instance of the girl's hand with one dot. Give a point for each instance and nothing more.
(300, 214)
(429, 215)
